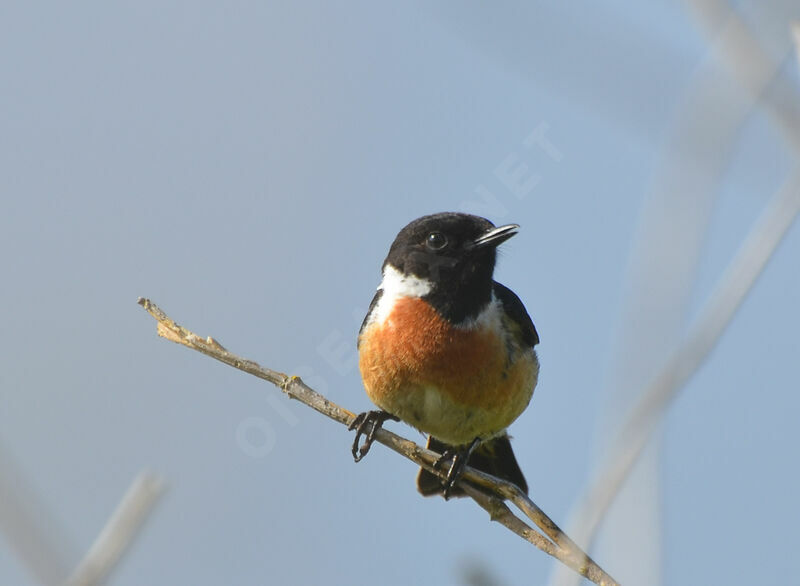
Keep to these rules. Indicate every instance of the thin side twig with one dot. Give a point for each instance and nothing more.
(556, 544)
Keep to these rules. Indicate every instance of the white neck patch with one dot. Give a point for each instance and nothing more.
(394, 286)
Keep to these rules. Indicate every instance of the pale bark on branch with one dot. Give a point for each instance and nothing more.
(491, 494)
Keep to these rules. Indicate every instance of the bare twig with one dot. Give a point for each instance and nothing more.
(558, 545)
(119, 531)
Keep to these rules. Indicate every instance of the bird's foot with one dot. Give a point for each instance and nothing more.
(459, 457)
(367, 424)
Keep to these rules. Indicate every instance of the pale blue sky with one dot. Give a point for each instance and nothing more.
(246, 165)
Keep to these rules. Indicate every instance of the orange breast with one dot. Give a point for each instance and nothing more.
(433, 374)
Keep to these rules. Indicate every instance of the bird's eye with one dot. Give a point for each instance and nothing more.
(436, 241)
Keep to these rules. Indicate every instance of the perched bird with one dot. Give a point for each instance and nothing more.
(447, 349)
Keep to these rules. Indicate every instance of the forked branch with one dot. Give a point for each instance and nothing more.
(490, 496)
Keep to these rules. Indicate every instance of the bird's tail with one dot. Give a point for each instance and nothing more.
(493, 456)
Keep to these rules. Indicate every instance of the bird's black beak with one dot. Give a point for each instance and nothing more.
(495, 236)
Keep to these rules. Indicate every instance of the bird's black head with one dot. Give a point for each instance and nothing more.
(453, 253)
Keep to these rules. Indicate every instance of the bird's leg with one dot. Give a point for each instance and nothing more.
(368, 424)
(459, 457)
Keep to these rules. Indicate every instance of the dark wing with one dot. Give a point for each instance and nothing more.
(517, 312)
(372, 305)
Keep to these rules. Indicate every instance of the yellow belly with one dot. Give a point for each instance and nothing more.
(453, 383)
